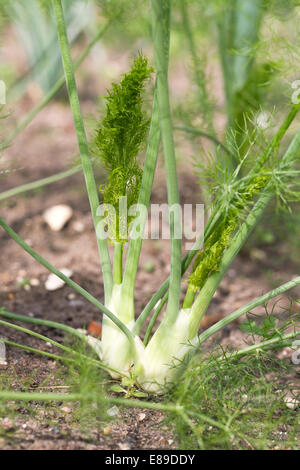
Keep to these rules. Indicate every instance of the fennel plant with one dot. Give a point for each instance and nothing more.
(153, 363)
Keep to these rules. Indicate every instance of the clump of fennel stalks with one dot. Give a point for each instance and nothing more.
(154, 362)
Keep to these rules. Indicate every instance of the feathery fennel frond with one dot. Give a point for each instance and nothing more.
(121, 134)
(285, 185)
(208, 260)
(229, 190)
(233, 197)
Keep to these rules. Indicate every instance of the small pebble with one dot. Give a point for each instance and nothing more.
(113, 411)
(57, 216)
(107, 430)
(257, 254)
(76, 303)
(54, 430)
(124, 446)
(54, 282)
(2, 354)
(34, 282)
(78, 226)
(66, 409)
(7, 424)
(292, 403)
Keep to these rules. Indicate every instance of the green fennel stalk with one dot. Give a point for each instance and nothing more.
(66, 279)
(82, 143)
(39, 183)
(56, 344)
(161, 32)
(247, 308)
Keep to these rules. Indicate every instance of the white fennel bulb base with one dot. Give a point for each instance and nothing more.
(155, 366)
(116, 350)
(164, 354)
